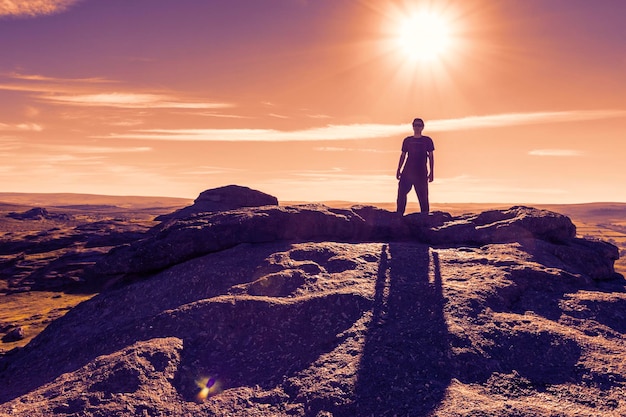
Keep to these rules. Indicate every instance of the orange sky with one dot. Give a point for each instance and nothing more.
(310, 100)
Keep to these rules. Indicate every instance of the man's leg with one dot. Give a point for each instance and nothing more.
(404, 186)
(421, 189)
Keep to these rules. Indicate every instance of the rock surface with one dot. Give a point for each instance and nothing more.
(14, 334)
(313, 311)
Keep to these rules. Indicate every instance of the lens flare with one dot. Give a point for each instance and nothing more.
(209, 386)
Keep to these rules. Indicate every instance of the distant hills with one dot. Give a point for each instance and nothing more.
(70, 199)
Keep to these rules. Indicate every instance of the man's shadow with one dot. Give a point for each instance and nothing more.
(405, 365)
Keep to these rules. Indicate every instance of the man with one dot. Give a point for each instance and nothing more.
(419, 168)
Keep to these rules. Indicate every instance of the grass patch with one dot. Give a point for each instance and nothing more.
(33, 311)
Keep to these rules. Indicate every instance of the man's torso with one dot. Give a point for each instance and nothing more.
(417, 149)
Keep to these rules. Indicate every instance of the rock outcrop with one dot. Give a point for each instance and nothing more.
(14, 334)
(312, 311)
(38, 213)
(222, 199)
(186, 238)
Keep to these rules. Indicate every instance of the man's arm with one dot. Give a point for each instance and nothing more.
(400, 163)
(431, 161)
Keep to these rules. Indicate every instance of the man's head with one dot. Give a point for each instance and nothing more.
(418, 124)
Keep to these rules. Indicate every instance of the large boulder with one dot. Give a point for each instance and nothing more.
(224, 198)
(501, 226)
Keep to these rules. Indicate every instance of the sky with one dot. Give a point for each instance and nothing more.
(309, 100)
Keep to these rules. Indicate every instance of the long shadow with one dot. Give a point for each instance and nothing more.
(405, 369)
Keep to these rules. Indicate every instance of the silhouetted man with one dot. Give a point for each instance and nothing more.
(419, 168)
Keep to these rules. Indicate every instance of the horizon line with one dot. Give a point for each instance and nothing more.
(297, 201)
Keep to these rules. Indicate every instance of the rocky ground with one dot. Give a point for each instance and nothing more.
(319, 311)
(46, 249)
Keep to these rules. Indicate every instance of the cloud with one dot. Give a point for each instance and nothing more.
(28, 157)
(340, 149)
(88, 92)
(130, 101)
(323, 173)
(33, 8)
(37, 77)
(367, 131)
(330, 132)
(48, 85)
(30, 127)
(83, 149)
(278, 116)
(555, 152)
(218, 115)
(209, 170)
(49, 160)
(9, 144)
(31, 111)
(516, 119)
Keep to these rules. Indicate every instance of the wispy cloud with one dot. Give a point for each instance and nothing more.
(31, 127)
(49, 159)
(38, 77)
(318, 116)
(25, 157)
(30, 111)
(9, 144)
(331, 132)
(209, 170)
(32, 8)
(96, 92)
(84, 149)
(278, 116)
(131, 101)
(368, 131)
(555, 152)
(516, 119)
(340, 149)
(323, 173)
(217, 115)
(39, 84)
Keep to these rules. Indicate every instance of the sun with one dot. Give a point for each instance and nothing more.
(423, 36)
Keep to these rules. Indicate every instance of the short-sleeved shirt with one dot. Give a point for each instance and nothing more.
(417, 149)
